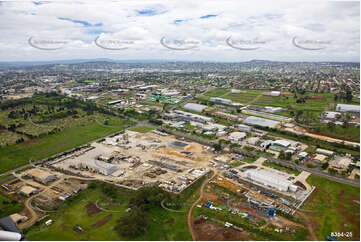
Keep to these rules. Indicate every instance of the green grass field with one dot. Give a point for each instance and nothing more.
(9, 206)
(15, 155)
(141, 129)
(163, 225)
(216, 92)
(333, 207)
(285, 169)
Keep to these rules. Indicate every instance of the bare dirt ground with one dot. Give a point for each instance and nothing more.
(190, 212)
(209, 231)
(92, 209)
(102, 221)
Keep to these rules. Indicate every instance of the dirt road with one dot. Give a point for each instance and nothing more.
(309, 226)
(190, 212)
(33, 215)
(255, 99)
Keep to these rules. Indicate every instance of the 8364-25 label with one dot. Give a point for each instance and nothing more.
(341, 234)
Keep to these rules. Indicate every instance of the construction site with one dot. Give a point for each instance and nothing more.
(226, 201)
(40, 189)
(255, 195)
(133, 160)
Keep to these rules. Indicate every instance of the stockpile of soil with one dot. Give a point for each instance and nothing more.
(210, 231)
(91, 209)
(102, 221)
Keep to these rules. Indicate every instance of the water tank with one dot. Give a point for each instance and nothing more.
(9, 236)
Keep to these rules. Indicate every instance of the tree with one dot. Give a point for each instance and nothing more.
(133, 223)
(325, 166)
(217, 147)
(331, 125)
(348, 96)
(92, 185)
(332, 171)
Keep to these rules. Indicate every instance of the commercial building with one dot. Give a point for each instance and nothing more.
(320, 158)
(265, 144)
(18, 218)
(269, 178)
(41, 176)
(252, 140)
(227, 116)
(114, 102)
(324, 152)
(302, 155)
(244, 128)
(267, 115)
(28, 191)
(221, 100)
(272, 93)
(341, 163)
(185, 116)
(269, 109)
(237, 136)
(348, 108)
(281, 143)
(194, 107)
(331, 115)
(252, 120)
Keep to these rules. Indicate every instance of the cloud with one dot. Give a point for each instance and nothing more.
(146, 21)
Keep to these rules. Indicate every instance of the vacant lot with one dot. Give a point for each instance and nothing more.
(333, 207)
(163, 225)
(9, 206)
(141, 129)
(15, 155)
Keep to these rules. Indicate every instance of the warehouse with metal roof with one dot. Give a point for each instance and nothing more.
(252, 120)
(195, 107)
(348, 108)
(269, 178)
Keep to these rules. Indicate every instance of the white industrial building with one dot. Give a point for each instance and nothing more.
(282, 143)
(252, 120)
(269, 109)
(324, 152)
(348, 108)
(244, 128)
(273, 93)
(191, 117)
(331, 115)
(194, 107)
(221, 100)
(269, 178)
(96, 166)
(267, 115)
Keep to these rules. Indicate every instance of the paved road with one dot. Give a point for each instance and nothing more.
(210, 143)
(285, 163)
(302, 168)
(190, 212)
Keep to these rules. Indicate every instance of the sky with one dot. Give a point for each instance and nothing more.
(187, 30)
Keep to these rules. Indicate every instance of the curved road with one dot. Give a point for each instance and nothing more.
(190, 212)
